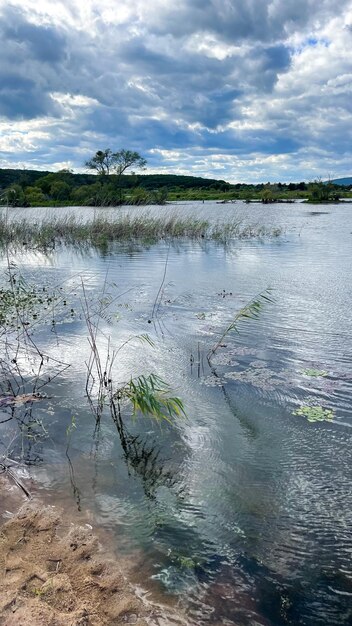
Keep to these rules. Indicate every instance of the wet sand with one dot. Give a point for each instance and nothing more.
(55, 572)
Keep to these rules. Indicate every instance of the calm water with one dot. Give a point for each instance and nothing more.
(241, 511)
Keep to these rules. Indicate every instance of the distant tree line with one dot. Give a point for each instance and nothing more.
(110, 185)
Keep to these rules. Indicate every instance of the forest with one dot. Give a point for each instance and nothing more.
(66, 188)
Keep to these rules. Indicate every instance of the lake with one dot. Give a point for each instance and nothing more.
(241, 512)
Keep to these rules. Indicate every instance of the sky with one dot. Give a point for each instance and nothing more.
(239, 90)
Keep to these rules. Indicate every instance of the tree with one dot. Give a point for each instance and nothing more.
(60, 190)
(46, 182)
(34, 196)
(323, 192)
(105, 162)
(14, 196)
(267, 195)
(124, 159)
(101, 162)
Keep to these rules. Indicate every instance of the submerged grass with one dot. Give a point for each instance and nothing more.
(100, 231)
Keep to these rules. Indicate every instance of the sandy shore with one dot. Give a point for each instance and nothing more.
(56, 573)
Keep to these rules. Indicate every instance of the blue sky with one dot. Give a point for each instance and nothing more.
(242, 90)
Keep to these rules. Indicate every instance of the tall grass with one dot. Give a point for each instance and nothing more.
(100, 231)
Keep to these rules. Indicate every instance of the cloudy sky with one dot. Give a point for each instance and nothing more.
(243, 90)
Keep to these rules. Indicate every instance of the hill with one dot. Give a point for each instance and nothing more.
(344, 182)
(147, 181)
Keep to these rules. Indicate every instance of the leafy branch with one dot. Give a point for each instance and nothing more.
(149, 395)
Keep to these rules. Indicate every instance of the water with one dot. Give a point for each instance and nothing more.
(241, 511)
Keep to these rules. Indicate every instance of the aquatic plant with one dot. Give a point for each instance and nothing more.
(314, 373)
(24, 300)
(149, 395)
(262, 377)
(212, 381)
(250, 311)
(187, 562)
(25, 369)
(257, 364)
(315, 413)
(24, 307)
(225, 358)
(98, 232)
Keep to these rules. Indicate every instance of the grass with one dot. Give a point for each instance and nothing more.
(249, 312)
(100, 231)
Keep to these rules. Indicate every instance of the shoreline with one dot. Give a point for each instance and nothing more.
(59, 571)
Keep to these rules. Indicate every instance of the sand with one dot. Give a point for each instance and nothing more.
(54, 572)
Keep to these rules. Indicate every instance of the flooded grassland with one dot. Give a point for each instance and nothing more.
(236, 510)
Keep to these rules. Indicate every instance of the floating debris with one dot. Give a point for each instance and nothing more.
(224, 293)
(20, 399)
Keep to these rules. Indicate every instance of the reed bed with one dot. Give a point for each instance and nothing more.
(101, 231)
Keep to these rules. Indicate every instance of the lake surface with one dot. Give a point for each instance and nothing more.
(242, 511)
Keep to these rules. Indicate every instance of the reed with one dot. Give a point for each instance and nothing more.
(101, 231)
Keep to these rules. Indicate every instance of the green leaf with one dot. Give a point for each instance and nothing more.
(314, 372)
(315, 413)
(149, 396)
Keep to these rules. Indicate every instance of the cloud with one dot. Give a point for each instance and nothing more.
(260, 88)
(30, 54)
(43, 43)
(241, 21)
(20, 98)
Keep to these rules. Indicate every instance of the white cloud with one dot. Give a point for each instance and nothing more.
(249, 90)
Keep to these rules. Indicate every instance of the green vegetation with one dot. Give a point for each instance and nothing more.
(111, 186)
(250, 311)
(320, 192)
(149, 395)
(100, 231)
(186, 562)
(24, 302)
(315, 413)
(26, 370)
(105, 162)
(314, 373)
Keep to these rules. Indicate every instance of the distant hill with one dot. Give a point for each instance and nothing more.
(345, 182)
(147, 181)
